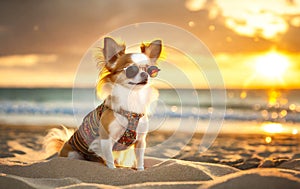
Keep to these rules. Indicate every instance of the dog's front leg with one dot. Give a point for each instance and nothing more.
(140, 147)
(106, 146)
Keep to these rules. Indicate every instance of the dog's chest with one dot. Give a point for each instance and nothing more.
(131, 100)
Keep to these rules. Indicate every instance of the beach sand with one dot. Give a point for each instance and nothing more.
(233, 161)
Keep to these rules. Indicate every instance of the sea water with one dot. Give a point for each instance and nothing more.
(67, 106)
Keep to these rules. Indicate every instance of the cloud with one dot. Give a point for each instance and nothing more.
(195, 5)
(36, 70)
(20, 78)
(264, 24)
(27, 60)
(254, 18)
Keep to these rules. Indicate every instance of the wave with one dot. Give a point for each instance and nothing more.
(240, 113)
(171, 104)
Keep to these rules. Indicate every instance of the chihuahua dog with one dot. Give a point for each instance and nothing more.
(120, 122)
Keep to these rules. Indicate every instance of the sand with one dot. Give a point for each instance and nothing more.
(233, 161)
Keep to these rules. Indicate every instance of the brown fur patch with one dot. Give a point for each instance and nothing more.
(110, 75)
(106, 119)
(123, 62)
(65, 150)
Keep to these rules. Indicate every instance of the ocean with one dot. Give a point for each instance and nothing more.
(67, 106)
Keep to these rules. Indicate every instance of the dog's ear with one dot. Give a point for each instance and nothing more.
(152, 50)
(111, 51)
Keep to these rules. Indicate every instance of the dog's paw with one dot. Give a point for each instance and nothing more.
(140, 168)
(111, 166)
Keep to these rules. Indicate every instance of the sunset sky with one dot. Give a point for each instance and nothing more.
(255, 43)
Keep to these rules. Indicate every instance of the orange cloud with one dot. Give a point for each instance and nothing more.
(252, 18)
(26, 60)
(195, 5)
(32, 70)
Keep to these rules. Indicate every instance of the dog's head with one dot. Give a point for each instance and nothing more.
(130, 70)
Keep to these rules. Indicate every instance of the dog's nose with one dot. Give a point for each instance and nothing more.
(144, 76)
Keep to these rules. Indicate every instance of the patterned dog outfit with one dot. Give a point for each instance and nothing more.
(88, 132)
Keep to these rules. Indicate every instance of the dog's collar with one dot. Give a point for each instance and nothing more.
(129, 114)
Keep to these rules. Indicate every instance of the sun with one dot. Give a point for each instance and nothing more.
(272, 65)
(272, 127)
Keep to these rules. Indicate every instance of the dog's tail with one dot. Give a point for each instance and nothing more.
(55, 139)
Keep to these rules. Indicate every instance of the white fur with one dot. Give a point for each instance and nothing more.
(139, 154)
(117, 127)
(106, 146)
(140, 58)
(95, 146)
(141, 143)
(131, 99)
